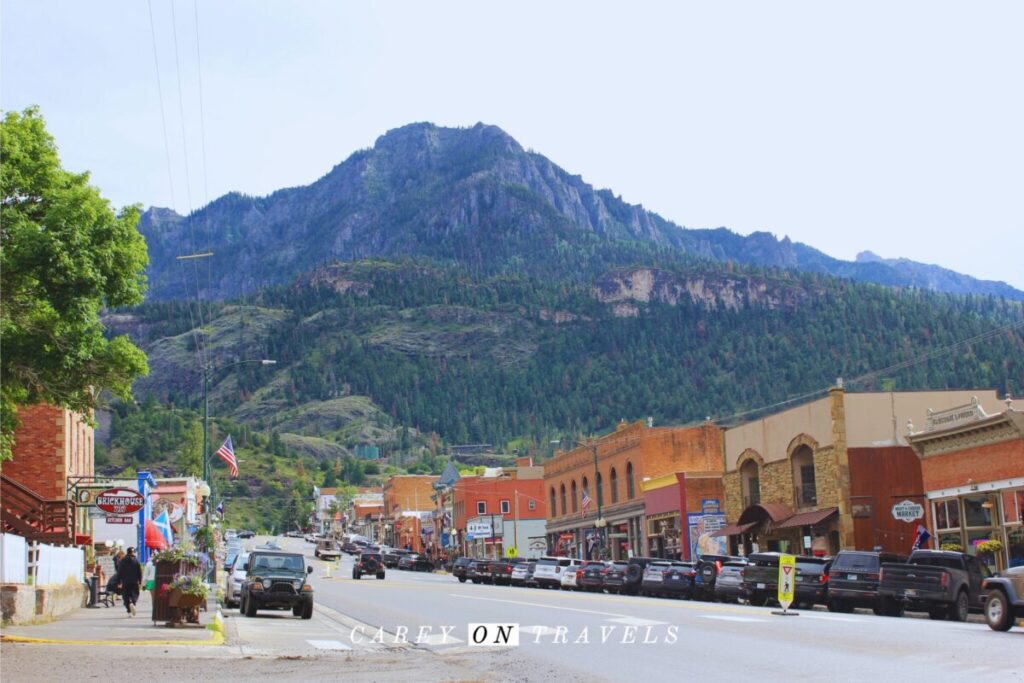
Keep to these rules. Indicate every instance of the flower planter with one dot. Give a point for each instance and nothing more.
(184, 600)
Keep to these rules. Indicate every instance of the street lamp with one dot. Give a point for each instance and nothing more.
(207, 372)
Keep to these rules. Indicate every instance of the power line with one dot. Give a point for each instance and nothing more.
(160, 94)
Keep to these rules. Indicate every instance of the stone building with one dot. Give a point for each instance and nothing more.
(827, 474)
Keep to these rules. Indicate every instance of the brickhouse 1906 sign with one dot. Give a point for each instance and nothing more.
(120, 501)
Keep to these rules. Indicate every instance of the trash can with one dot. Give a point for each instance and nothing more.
(94, 591)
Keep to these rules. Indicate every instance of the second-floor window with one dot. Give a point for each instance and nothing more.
(481, 507)
(505, 507)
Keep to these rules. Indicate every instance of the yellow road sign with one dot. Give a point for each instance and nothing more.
(512, 552)
(787, 580)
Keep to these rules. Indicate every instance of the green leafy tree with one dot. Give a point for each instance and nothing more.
(64, 254)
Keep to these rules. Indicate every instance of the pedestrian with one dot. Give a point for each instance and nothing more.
(129, 573)
(118, 556)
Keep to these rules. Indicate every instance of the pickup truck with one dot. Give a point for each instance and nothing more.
(944, 584)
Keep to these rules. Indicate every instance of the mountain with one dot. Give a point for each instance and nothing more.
(472, 197)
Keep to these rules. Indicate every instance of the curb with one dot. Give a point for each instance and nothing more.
(217, 639)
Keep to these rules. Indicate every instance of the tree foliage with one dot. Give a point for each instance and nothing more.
(64, 254)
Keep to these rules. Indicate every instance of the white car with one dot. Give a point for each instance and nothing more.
(568, 580)
(548, 571)
(235, 579)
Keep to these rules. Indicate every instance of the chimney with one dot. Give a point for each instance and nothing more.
(525, 461)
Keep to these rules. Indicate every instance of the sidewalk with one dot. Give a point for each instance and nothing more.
(113, 626)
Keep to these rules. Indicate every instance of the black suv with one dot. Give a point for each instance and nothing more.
(368, 563)
(276, 580)
(460, 567)
(707, 574)
(627, 577)
(853, 582)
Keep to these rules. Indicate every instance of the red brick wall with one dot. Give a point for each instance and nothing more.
(990, 462)
(469, 490)
(50, 445)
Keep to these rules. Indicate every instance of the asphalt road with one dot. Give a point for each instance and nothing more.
(620, 638)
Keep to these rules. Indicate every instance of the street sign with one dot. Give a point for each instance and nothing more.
(120, 501)
(512, 552)
(787, 580)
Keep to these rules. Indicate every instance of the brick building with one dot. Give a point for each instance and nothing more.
(972, 466)
(500, 510)
(52, 445)
(630, 474)
(407, 504)
(826, 475)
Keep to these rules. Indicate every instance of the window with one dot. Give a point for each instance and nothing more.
(481, 507)
(563, 499)
(630, 487)
(505, 508)
(575, 501)
(803, 477)
(533, 504)
(552, 504)
(613, 481)
(600, 497)
(751, 483)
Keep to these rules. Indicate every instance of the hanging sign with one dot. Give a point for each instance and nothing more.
(907, 511)
(120, 501)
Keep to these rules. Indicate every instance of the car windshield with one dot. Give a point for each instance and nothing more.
(856, 561)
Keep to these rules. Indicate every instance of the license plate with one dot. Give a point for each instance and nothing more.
(911, 592)
(760, 585)
(851, 577)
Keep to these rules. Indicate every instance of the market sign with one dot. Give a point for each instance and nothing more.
(120, 501)
(907, 511)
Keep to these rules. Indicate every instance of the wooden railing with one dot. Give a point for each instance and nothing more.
(26, 513)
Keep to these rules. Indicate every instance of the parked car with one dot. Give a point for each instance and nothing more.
(615, 576)
(234, 578)
(567, 580)
(651, 582)
(761, 578)
(477, 572)
(1004, 603)
(853, 582)
(522, 573)
(416, 563)
(548, 572)
(368, 563)
(729, 582)
(327, 550)
(811, 581)
(246, 534)
(677, 580)
(391, 556)
(460, 568)
(943, 583)
(590, 577)
(350, 548)
(708, 567)
(501, 570)
(627, 576)
(276, 580)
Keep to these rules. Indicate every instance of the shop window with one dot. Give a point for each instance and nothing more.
(575, 500)
(505, 508)
(481, 507)
(976, 514)
(630, 485)
(613, 482)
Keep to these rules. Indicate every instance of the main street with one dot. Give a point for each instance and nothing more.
(622, 638)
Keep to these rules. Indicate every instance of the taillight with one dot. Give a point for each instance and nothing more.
(881, 575)
(945, 580)
(743, 573)
(604, 572)
(718, 566)
(874, 577)
(579, 574)
(693, 573)
(823, 578)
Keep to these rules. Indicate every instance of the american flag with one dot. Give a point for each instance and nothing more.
(227, 453)
(586, 500)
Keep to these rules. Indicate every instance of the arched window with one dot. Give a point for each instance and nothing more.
(630, 485)
(803, 477)
(586, 485)
(613, 481)
(563, 500)
(600, 482)
(750, 477)
(575, 500)
(553, 509)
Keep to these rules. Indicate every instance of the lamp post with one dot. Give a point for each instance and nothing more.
(207, 372)
(599, 523)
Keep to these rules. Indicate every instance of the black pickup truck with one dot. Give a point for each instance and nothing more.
(944, 584)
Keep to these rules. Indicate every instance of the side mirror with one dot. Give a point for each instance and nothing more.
(309, 570)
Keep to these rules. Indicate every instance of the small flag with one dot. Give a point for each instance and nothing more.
(922, 537)
(227, 453)
(586, 500)
(163, 523)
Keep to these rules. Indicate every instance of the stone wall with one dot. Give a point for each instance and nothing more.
(777, 483)
(826, 478)
(25, 604)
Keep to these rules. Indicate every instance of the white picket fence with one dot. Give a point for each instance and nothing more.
(40, 564)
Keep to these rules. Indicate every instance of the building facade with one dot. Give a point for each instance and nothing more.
(407, 505)
(500, 512)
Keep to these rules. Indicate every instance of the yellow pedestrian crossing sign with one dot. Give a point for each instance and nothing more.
(512, 552)
(787, 580)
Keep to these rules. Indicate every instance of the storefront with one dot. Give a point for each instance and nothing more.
(972, 465)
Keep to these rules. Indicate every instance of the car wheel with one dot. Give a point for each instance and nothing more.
(380, 576)
(462, 579)
(998, 614)
(307, 610)
(250, 607)
(959, 610)
(356, 575)
(297, 610)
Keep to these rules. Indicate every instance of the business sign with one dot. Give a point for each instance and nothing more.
(702, 539)
(710, 506)
(120, 501)
(120, 520)
(478, 529)
(907, 511)
(787, 580)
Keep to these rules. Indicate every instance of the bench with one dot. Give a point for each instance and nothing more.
(106, 598)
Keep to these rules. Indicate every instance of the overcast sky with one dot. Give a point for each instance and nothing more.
(895, 127)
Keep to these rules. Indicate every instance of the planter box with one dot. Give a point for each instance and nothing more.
(184, 601)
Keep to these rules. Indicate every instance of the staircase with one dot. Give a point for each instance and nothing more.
(25, 513)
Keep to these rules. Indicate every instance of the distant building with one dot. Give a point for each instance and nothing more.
(367, 451)
(407, 504)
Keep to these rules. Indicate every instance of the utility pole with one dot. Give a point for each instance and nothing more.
(494, 538)
(515, 524)
(599, 522)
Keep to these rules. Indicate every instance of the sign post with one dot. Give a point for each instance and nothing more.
(787, 584)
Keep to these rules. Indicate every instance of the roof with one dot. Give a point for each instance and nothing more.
(449, 476)
(777, 512)
(808, 518)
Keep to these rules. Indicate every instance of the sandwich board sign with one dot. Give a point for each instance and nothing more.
(787, 581)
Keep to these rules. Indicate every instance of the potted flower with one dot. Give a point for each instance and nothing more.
(187, 590)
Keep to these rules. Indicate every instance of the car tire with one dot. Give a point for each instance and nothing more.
(380, 576)
(307, 610)
(998, 613)
(356, 575)
(250, 607)
(462, 579)
(961, 608)
(297, 610)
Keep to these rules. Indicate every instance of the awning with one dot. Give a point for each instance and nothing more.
(808, 518)
(733, 529)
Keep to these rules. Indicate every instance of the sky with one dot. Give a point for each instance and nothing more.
(894, 127)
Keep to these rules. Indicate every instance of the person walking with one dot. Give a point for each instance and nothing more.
(129, 573)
